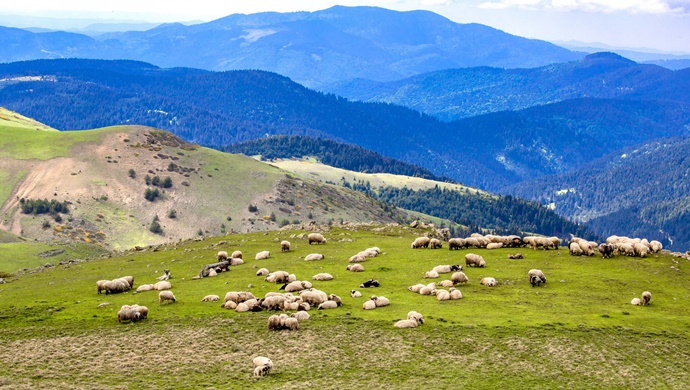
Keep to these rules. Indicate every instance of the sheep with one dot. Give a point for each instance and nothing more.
(238, 296)
(456, 243)
(640, 250)
(261, 361)
(445, 283)
(235, 262)
(296, 286)
(431, 274)
(420, 242)
(536, 277)
(300, 315)
(236, 255)
(380, 301)
(145, 287)
(273, 302)
(472, 242)
(472, 259)
(262, 272)
(355, 267)
(222, 255)
(373, 249)
(406, 324)
(427, 290)
(459, 277)
(435, 243)
(575, 249)
(416, 287)
(166, 296)
(586, 248)
(454, 293)
(261, 371)
(115, 286)
(210, 298)
(230, 305)
(556, 242)
(516, 256)
(655, 246)
(313, 257)
(442, 295)
(606, 250)
(291, 323)
(335, 299)
(241, 308)
(368, 253)
(495, 245)
(446, 269)
(263, 255)
(636, 302)
(355, 294)
(489, 282)
(413, 315)
(291, 278)
(212, 272)
(128, 313)
(313, 297)
(285, 246)
(358, 258)
(316, 238)
(162, 285)
(370, 283)
(100, 285)
(646, 297)
(277, 277)
(323, 276)
(328, 305)
(626, 249)
(127, 279)
(289, 306)
(369, 305)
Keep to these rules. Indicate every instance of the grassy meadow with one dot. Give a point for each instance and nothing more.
(577, 331)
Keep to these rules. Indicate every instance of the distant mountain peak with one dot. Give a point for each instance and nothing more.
(607, 55)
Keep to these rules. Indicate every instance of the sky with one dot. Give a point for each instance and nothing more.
(662, 25)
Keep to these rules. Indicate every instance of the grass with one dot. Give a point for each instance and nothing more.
(19, 255)
(12, 119)
(23, 144)
(578, 331)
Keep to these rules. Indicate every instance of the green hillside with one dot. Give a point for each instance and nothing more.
(577, 331)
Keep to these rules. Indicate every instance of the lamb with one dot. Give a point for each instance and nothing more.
(316, 238)
(261, 371)
(454, 293)
(355, 267)
(489, 282)
(285, 246)
(262, 361)
(236, 255)
(166, 296)
(210, 298)
(575, 249)
(323, 276)
(222, 255)
(262, 272)
(300, 315)
(358, 258)
(335, 299)
(536, 277)
(446, 269)
(431, 274)
(636, 302)
(328, 305)
(313, 257)
(369, 305)
(606, 250)
(456, 243)
(263, 255)
(380, 301)
(472, 259)
(420, 242)
(495, 245)
(162, 285)
(445, 283)
(370, 283)
(435, 243)
(459, 277)
(355, 294)
(646, 297)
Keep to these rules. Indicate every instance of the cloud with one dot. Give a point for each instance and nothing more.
(604, 6)
(437, 2)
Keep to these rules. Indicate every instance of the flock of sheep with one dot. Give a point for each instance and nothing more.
(300, 296)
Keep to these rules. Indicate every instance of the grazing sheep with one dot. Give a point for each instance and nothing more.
(456, 243)
(472, 259)
(606, 250)
(655, 246)
(285, 246)
(238, 296)
(323, 276)
(586, 247)
(236, 255)
(636, 302)
(495, 245)
(646, 297)
(369, 305)
(355, 294)
(536, 277)
(435, 243)
(370, 283)
(313, 257)
(442, 295)
(489, 282)
(116, 286)
(431, 274)
(358, 258)
(261, 371)
(100, 285)
(380, 301)
(263, 255)
(277, 277)
(445, 283)
(625, 249)
(162, 285)
(316, 238)
(454, 293)
(210, 298)
(575, 249)
(459, 277)
(128, 313)
(275, 302)
(127, 279)
(222, 255)
(555, 242)
(640, 250)
(300, 315)
(291, 323)
(145, 287)
(420, 242)
(355, 267)
(328, 305)
(516, 256)
(262, 272)
(446, 269)
(165, 296)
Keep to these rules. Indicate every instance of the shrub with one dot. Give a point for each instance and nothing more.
(151, 194)
(284, 222)
(147, 180)
(167, 182)
(252, 208)
(132, 173)
(155, 226)
(46, 224)
(172, 214)
(156, 181)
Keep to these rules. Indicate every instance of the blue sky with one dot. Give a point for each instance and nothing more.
(655, 24)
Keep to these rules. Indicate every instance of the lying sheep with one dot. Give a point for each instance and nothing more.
(636, 302)
(358, 258)
(429, 289)
(323, 276)
(262, 272)
(296, 286)
(369, 305)
(370, 283)
(236, 255)
(380, 301)
(263, 255)
(646, 297)
(162, 285)
(300, 315)
(445, 283)
(210, 298)
(316, 238)
(472, 259)
(355, 267)
(459, 277)
(313, 257)
(420, 242)
(145, 287)
(230, 305)
(328, 305)
(238, 296)
(368, 253)
(285, 246)
(313, 297)
(235, 262)
(413, 320)
(431, 274)
(435, 243)
(454, 293)
(446, 269)
(355, 294)
(373, 249)
(442, 295)
(166, 296)
(489, 282)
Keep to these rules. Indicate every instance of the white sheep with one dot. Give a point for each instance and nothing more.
(369, 305)
(431, 274)
(475, 260)
(100, 285)
(262, 272)
(442, 295)
(263, 255)
(445, 283)
(420, 242)
(416, 287)
(323, 276)
(162, 285)
(145, 287)
(236, 255)
(300, 315)
(210, 298)
(316, 238)
(446, 269)
(636, 302)
(489, 282)
(380, 301)
(459, 277)
(454, 293)
(355, 267)
(222, 255)
(355, 294)
(285, 246)
(166, 296)
(358, 258)
(328, 305)
(230, 305)
(495, 245)
(313, 257)
(646, 297)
